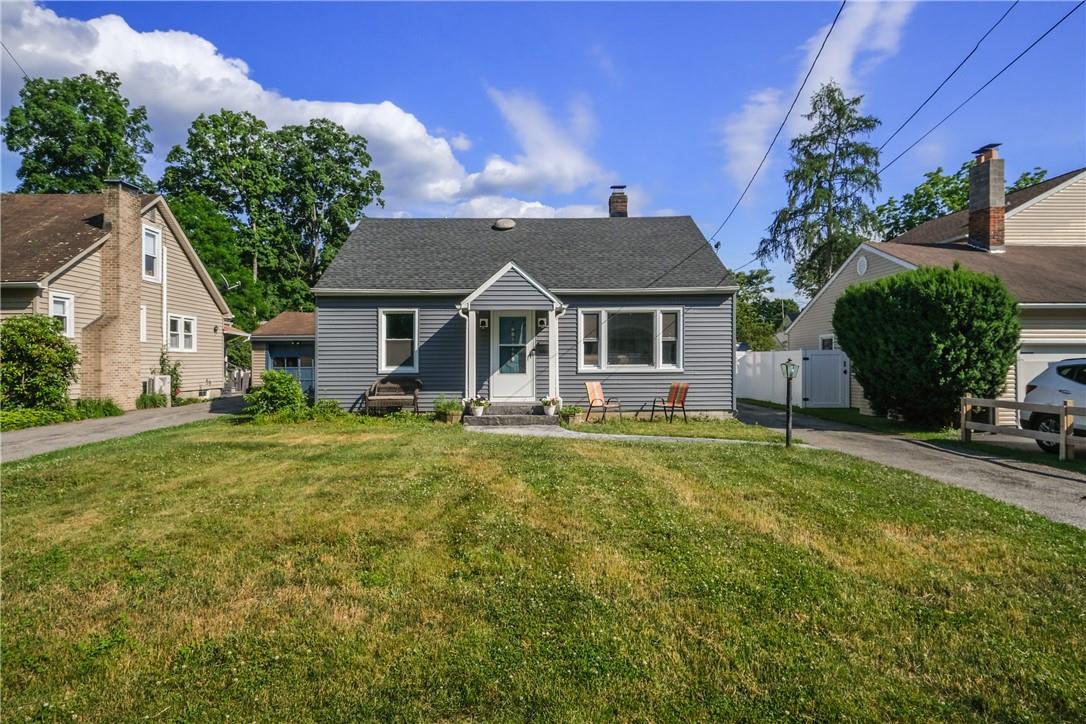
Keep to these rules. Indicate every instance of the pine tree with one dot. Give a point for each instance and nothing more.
(833, 180)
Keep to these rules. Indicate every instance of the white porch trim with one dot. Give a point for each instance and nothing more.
(466, 303)
(552, 353)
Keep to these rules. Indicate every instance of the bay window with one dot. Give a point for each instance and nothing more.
(630, 339)
(398, 346)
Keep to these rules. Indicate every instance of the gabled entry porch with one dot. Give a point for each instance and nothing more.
(511, 339)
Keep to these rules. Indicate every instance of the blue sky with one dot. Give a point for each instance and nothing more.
(506, 109)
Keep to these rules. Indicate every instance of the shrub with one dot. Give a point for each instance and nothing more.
(451, 407)
(173, 369)
(37, 363)
(148, 400)
(326, 410)
(18, 418)
(921, 339)
(90, 408)
(280, 391)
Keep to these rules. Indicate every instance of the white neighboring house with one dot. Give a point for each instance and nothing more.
(1033, 239)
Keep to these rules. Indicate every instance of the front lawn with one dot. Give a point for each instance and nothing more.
(694, 427)
(387, 569)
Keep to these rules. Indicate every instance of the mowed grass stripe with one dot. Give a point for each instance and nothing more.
(405, 570)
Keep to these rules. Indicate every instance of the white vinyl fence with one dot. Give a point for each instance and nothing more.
(758, 376)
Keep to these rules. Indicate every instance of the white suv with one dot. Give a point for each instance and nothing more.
(1063, 380)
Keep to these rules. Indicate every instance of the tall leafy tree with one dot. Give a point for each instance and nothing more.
(331, 182)
(228, 158)
(832, 181)
(75, 133)
(757, 315)
(938, 195)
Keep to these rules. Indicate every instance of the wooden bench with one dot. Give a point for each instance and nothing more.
(398, 392)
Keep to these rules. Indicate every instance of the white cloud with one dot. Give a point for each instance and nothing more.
(502, 206)
(551, 156)
(866, 34)
(460, 142)
(179, 75)
(604, 63)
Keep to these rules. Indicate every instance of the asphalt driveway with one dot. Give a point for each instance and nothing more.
(19, 444)
(1054, 493)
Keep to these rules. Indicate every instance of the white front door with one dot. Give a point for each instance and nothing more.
(512, 358)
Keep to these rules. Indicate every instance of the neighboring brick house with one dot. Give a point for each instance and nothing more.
(118, 269)
(1033, 239)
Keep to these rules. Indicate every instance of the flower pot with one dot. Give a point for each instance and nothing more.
(478, 411)
(450, 417)
(550, 409)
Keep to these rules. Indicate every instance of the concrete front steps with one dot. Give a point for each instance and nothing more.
(507, 414)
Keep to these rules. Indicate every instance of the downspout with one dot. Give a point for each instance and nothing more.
(165, 320)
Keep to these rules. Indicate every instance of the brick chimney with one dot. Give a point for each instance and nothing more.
(987, 200)
(618, 204)
(111, 350)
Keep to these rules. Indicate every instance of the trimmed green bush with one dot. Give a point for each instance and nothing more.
(922, 339)
(279, 392)
(149, 400)
(18, 418)
(37, 363)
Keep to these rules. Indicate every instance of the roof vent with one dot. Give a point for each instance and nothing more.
(504, 224)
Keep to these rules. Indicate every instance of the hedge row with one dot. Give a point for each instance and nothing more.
(18, 418)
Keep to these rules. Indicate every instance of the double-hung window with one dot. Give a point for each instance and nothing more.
(182, 333)
(398, 344)
(630, 339)
(62, 307)
(152, 254)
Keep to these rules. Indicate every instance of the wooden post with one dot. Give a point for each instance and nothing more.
(966, 433)
(1067, 429)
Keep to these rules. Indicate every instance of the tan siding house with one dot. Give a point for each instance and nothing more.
(1043, 263)
(120, 266)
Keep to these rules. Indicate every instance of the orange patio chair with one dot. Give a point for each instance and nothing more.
(676, 400)
(597, 400)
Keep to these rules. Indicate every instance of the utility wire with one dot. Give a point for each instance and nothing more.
(780, 128)
(16, 60)
(945, 80)
(986, 84)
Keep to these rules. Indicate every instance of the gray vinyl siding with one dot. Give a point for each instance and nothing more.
(347, 360)
(511, 291)
(708, 341)
(482, 356)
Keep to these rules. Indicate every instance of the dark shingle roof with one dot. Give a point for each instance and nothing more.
(288, 324)
(39, 233)
(1033, 274)
(956, 225)
(461, 254)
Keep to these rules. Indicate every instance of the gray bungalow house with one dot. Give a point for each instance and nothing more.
(519, 310)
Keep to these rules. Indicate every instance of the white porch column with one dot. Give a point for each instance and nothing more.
(469, 355)
(552, 353)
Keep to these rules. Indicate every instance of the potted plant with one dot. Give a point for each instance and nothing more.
(550, 404)
(569, 412)
(478, 405)
(450, 411)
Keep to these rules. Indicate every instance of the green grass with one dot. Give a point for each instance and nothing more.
(948, 437)
(694, 427)
(401, 570)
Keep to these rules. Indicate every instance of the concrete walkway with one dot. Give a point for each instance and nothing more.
(1052, 492)
(19, 444)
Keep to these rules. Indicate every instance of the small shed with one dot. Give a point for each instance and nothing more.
(286, 344)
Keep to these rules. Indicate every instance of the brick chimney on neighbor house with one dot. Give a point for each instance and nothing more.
(987, 200)
(618, 204)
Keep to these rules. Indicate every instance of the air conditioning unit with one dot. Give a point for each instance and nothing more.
(157, 385)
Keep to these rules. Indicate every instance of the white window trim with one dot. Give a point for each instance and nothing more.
(382, 366)
(657, 335)
(143, 323)
(69, 319)
(157, 276)
(182, 318)
(831, 337)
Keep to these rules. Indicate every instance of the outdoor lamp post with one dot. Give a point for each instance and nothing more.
(789, 369)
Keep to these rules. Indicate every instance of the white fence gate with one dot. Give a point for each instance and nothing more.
(758, 376)
(825, 378)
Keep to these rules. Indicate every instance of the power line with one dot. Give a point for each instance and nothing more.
(952, 74)
(780, 128)
(986, 84)
(16, 60)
